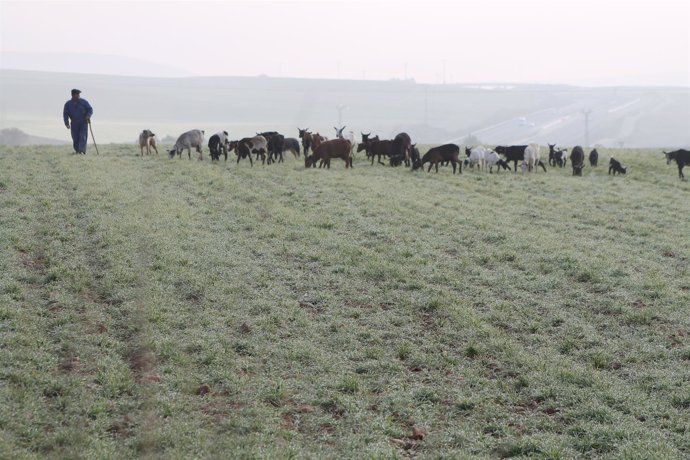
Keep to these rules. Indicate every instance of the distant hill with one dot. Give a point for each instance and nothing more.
(496, 114)
(87, 63)
(16, 137)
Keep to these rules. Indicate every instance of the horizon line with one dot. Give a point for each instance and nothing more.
(475, 84)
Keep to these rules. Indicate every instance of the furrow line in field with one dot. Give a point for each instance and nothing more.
(115, 286)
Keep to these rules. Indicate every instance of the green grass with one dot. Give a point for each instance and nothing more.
(175, 308)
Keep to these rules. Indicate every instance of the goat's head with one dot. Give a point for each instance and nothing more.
(414, 152)
(670, 156)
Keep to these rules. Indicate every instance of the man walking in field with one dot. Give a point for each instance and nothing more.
(77, 116)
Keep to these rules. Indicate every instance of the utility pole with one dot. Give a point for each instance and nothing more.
(586, 113)
(426, 104)
(340, 114)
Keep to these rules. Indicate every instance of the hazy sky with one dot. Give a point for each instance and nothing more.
(585, 42)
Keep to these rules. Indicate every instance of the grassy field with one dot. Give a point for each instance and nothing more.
(179, 309)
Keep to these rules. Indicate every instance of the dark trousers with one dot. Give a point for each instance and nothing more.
(80, 133)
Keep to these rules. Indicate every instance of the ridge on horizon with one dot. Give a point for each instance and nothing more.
(489, 112)
(113, 65)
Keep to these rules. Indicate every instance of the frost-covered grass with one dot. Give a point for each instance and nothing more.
(186, 309)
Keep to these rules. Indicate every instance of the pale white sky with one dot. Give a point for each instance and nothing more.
(602, 42)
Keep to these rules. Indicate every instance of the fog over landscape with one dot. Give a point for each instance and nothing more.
(449, 287)
(495, 70)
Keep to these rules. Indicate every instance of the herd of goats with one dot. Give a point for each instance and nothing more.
(270, 146)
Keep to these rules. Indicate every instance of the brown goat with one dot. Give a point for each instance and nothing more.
(316, 140)
(336, 148)
(147, 140)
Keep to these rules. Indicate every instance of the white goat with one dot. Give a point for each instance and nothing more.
(477, 157)
(531, 158)
(349, 136)
(491, 159)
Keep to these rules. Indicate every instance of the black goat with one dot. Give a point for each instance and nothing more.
(616, 167)
(593, 158)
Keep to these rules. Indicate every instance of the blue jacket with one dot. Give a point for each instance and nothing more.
(77, 111)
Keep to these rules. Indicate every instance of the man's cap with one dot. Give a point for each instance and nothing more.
(76, 91)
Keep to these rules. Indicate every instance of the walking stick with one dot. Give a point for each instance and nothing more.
(93, 138)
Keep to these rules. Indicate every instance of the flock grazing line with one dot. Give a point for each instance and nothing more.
(270, 146)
